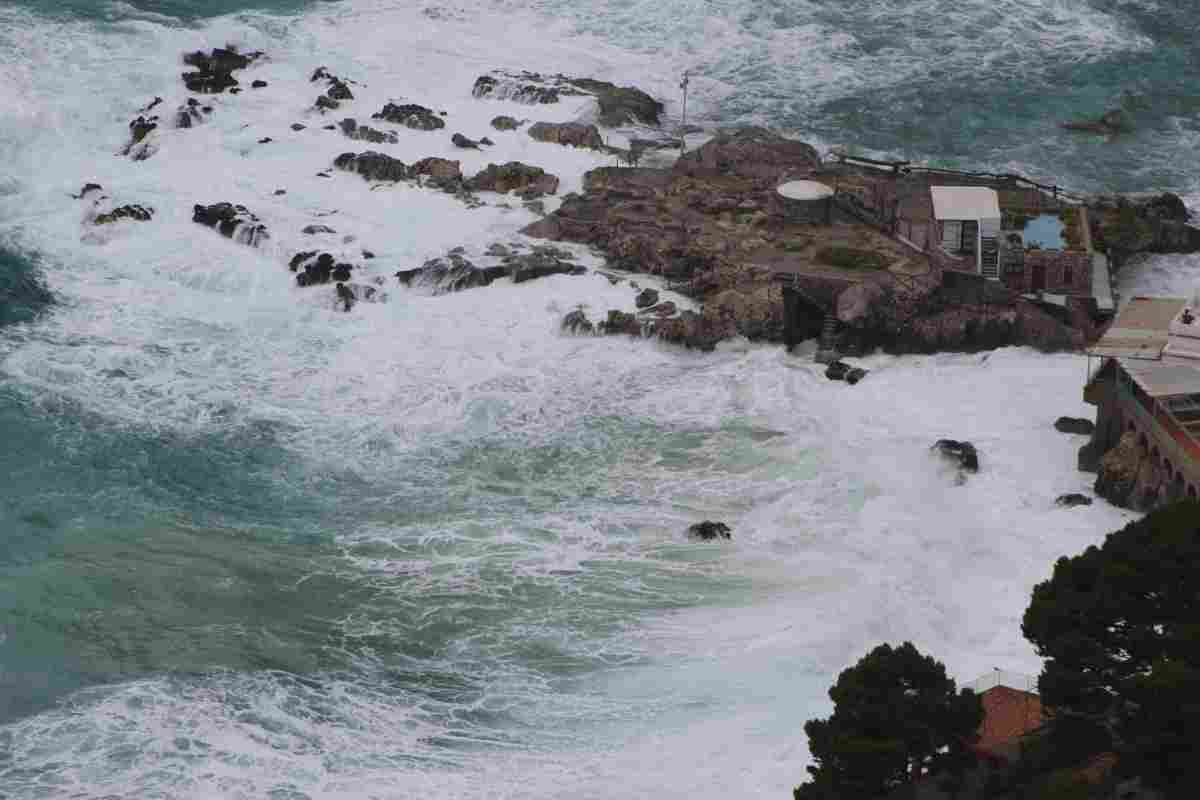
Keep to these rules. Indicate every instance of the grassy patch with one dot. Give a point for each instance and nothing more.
(851, 258)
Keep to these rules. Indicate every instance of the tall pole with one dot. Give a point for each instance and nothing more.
(683, 124)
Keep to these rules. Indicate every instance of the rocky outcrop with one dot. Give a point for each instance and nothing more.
(708, 531)
(1072, 500)
(529, 181)
(1129, 476)
(214, 71)
(1076, 425)
(131, 212)
(337, 89)
(231, 221)
(139, 148)
(841, 371)
(411, 116)
(189, 114)
(750, 153)
(364, 133)
(573, 134)
(1123, 226)
(373, 166)
(618, 105)
(455, 272)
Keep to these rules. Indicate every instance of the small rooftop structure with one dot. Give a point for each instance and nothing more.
(1141, 329)
(965, 202)
(805, 190)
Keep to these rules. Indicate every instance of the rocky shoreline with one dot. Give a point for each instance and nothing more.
(707, 223)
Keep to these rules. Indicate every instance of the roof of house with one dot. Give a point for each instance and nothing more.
(1155, 346)
(965, 202)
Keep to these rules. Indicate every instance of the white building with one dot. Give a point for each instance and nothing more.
(968, 218)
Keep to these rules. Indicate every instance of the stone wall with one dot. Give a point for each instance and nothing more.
(1065, 272)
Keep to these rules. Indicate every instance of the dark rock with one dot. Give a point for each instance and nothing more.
(503, 123)
(1072, 500)
(232, 222)
(299, 259)
(265, 140)
(339, 90)
(279, 192)
(139, 129)
(458, 140)
(619, 105)
(87, 189)
(133, 212)
(440, 168)
(187, 115)
(1109, 123)
(963, 454)
(450, 274)
(577, 322)
(529, 180)
(646, 298)
(207, 109)
(621, 322)
(319, 73)
(214, 71)
(235, 90)
(296, 126)
(541, 263)
(327, 103)
(315, 229)
(837, 371)
(156, 101)
(258, 85)
(517, 88)
(574, 134)
(345, 296)
(665, 309)
(367, 254)
(373, 166)
(708, 531)
(486, 141)
(855, 375)
(365, 133)
(410, 116)
(1083, 427)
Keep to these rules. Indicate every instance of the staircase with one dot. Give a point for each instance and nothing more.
(990, 258)
(827, 343)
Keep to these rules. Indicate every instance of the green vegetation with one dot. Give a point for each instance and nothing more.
(1072, 228)
(1014, 220)
(851, 258)
(1119, 627)
(896, 717)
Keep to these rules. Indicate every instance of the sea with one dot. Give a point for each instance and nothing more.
(252, 546)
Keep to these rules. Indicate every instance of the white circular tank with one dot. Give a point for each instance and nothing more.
(807, 202)
(804, 190)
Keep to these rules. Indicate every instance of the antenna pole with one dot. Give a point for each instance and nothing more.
(683, 124)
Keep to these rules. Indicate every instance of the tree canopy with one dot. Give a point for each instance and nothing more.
(1119, 627)
(896, 716)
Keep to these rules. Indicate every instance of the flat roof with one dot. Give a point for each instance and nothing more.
(965, 202)
(1164, 379)
(1141, 329)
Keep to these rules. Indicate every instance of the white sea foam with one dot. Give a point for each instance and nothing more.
(847, 531)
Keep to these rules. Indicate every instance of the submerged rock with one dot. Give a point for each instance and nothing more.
(837, 371)
(458, 140)
(708, 531)
(411, 116)
(1078, 425)
(452, 273)
(314, 269)
(618, 105)
(1072, 500)
(441, 169)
